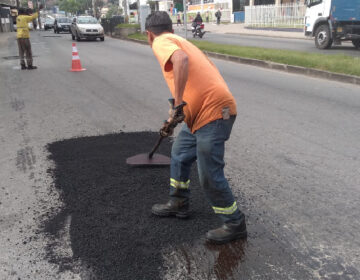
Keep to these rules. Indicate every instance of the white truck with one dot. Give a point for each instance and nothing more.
(333, 21)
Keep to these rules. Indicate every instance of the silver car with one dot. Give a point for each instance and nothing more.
(86, 27)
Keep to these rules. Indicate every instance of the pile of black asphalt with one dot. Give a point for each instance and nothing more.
(112, 230)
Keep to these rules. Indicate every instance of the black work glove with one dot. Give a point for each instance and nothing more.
(167, 129)
(176, 116)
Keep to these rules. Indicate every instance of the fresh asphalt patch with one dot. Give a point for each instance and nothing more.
(112, 230)
(106, 217)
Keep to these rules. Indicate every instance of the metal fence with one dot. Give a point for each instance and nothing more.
(287, 16)
(110, 24)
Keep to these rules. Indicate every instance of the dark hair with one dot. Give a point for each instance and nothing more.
(22, 11)
(158, 22)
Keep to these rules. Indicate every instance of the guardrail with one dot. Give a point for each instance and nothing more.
(286, 16)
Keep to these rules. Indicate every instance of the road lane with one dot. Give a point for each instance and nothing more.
(302, 45)
(293, 159)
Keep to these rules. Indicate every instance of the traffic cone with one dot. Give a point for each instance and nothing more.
(76, 64)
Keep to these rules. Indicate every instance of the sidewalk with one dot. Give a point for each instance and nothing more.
(239, 28)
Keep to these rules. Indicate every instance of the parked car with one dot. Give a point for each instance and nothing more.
(62, 25)
(86, 27)
(49, 23)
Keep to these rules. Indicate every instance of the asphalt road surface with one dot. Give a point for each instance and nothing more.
(303, 45)
(67, 209)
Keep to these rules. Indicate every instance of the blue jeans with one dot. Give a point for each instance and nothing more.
(207, 146)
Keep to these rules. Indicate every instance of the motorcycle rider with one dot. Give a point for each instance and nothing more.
(198, 19)
(197, 22)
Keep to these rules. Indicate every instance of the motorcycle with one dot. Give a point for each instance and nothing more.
(197, 29)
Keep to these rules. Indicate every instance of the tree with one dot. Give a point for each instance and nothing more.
(98, 5)
(113, 11)
(84, 5)
(69, 6)
(24, 3)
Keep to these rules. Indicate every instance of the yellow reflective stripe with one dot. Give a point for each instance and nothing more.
(227, 210)
(179, 184)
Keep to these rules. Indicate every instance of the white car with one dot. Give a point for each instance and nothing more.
(86, 27)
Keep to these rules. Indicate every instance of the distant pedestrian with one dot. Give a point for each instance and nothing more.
(218, 16)
(207, 16)
(23, 38)
(178, 19)
(34, 22)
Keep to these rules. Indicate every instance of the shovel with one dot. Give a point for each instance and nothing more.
(150, 159)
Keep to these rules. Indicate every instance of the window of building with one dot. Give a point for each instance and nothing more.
(239, 5)
(264, 2)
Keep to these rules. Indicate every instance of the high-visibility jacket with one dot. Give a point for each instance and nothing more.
(23, 26)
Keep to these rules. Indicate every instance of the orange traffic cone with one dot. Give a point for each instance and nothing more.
(76, 64)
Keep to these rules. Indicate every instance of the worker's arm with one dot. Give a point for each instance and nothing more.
(31, 18)
(179, 60)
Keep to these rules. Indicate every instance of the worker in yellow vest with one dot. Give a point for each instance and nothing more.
(23, 37)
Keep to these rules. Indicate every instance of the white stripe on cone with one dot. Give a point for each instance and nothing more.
(76, 57)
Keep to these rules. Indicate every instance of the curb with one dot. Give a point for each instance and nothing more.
(314, 73)
(269, 36)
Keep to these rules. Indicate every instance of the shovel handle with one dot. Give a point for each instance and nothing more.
(156, 147)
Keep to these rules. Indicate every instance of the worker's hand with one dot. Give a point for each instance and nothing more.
(176, 114)
(167, 129)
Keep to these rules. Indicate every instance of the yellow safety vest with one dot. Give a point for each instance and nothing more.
(22, 25)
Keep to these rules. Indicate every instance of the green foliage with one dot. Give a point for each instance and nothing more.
(24, 3)
(113, 11)
(84, 5)
(333, 63)
(138, 36)
(69, 6)
(127, 25)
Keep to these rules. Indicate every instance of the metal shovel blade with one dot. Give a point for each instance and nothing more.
(143, 159)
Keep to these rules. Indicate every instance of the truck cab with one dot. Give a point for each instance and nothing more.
(333, 21)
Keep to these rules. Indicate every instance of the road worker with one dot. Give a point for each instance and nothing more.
(202, 99)
(23, 38)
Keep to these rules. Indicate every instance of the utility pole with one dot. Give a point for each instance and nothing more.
(17, 4)
(39, 19)
(93, 6)
(185, 18)
(138, 11)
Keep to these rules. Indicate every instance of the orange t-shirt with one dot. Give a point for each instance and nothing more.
(206, 92)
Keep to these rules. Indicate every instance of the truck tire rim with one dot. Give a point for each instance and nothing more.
(322, 37)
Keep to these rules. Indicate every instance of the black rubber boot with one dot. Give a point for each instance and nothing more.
(178, 208)
(228, 232)
(23, 67)
(32, 67)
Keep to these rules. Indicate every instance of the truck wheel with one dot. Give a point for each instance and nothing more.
(356, 43)
(323, 37)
